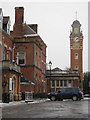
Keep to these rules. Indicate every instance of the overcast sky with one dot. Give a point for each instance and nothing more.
(54, 21)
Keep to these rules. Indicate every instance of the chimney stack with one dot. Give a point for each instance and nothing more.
(19, 22)
(19, 15)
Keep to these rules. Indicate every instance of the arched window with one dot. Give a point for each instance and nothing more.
(76, 55)
(76, 67)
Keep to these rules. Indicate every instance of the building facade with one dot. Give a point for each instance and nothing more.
(29, 53)
(57, 78)
(10, 71)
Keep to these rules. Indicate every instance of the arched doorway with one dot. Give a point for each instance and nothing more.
(13, 88)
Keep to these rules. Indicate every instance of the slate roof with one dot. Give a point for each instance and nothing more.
(28, 30)
(76, 22)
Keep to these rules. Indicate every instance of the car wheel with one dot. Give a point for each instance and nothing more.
(74, 98)
(53, 98)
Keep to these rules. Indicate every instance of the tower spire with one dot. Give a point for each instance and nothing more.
(76, 15)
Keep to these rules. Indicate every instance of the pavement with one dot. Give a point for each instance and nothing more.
(23, 102)
(30, 102)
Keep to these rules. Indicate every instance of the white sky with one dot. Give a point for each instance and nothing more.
(54, 21)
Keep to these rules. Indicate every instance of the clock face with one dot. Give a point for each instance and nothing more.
(76, 39)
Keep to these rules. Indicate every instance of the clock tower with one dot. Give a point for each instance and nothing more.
(76, 52)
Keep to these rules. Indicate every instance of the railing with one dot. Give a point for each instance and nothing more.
(6, 64)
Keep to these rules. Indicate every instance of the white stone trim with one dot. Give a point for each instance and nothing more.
(10, 48)
(31, 35)
(24, 83)
(5, 45)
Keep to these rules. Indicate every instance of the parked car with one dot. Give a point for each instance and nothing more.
(73, 93)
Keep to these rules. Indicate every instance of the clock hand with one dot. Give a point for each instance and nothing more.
(76, 38)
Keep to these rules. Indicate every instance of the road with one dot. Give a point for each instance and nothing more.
(49, 109)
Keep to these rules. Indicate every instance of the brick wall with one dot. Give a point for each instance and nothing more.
(19, 19)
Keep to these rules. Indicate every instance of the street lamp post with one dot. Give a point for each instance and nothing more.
(89, 86)
(50, 64)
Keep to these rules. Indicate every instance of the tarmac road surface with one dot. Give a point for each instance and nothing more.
(49, 109)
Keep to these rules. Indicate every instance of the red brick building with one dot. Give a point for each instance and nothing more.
(10, 71)
(29, 53)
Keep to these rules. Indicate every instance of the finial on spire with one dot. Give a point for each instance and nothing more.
(76, 15)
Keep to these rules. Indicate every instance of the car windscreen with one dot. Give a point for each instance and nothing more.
(66, 89)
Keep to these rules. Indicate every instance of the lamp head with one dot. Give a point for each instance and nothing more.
(50, 63)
